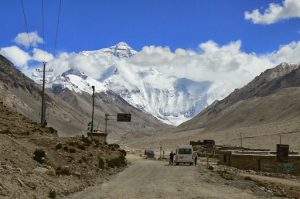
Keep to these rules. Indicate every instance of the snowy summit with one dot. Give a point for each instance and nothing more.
(169, 98)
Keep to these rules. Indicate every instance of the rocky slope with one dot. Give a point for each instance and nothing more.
(262, 113)
(70, 112)
(36, 163)
(238, 108)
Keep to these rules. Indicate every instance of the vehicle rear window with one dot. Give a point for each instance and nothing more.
(185, 151)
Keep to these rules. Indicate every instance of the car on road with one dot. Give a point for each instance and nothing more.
(184, 154)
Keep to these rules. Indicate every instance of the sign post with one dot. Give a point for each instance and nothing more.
(282, 153)
(121, 117)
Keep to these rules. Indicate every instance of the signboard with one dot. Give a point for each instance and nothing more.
(282, 152)
(209, 143)
(89, 126)
(124, 117)
(288, 167)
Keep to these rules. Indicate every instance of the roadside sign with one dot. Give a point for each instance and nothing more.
(282, 152)
(89, 126)
(209, 143)
(288, 167)
(124, 117)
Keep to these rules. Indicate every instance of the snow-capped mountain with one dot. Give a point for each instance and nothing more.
(76, 81)
(171, 99)
(121, 50)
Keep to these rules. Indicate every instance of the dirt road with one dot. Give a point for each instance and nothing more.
(156, 179)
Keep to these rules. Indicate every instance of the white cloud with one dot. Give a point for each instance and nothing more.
(211, 63)
(224, 65)
(15, 55)
(28, 39)
(41, 56)
(287, 53)
(275, 12)
(21, 57)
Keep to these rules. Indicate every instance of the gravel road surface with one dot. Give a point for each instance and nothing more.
(156, 179)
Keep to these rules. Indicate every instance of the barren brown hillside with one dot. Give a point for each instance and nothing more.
(262, 111)
(36, 163)
(70, 112)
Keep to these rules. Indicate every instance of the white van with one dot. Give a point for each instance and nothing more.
(184, 154)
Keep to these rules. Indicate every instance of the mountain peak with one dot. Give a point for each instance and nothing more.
(122, 50)
(280, 70)
(122, 44)
(285, 65)
(74, 72)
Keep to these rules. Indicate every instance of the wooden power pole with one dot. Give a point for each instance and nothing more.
(92, 125)
(43, 106)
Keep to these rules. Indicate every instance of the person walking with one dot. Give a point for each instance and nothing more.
(195, 158)
(171, 162)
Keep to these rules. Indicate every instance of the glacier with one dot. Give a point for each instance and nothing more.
(169, 98)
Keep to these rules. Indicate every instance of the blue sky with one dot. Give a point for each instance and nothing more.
(94, 24)
(225, 42)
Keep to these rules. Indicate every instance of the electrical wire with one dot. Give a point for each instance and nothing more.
(25, 21)
(57, 26)
(43, 24)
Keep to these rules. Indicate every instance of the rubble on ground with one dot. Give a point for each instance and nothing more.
(36, 163)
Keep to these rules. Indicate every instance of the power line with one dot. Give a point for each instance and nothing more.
(25, 21)
(43, 23)
(57, 26)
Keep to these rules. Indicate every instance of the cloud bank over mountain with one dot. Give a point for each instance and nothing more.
(209, 62)
(172, 85)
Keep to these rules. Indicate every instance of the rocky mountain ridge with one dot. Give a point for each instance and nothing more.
(265, 86)
(70, 112)
(169, 98)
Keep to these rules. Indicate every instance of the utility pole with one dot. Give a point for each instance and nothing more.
(279, 139)
(43, 107)
(106, 119)
(43, 111)
(241, 139)
(93, 96)
(160, 149)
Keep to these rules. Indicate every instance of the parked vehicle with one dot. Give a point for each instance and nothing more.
(184, 154)
(149, 153)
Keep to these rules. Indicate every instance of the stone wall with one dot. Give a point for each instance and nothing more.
(266, 163)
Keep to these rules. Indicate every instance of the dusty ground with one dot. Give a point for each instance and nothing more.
(156, 179)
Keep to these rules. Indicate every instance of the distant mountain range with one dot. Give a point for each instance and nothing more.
(69, 112)
(269, 104)
(171, 99)
(271, 99)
